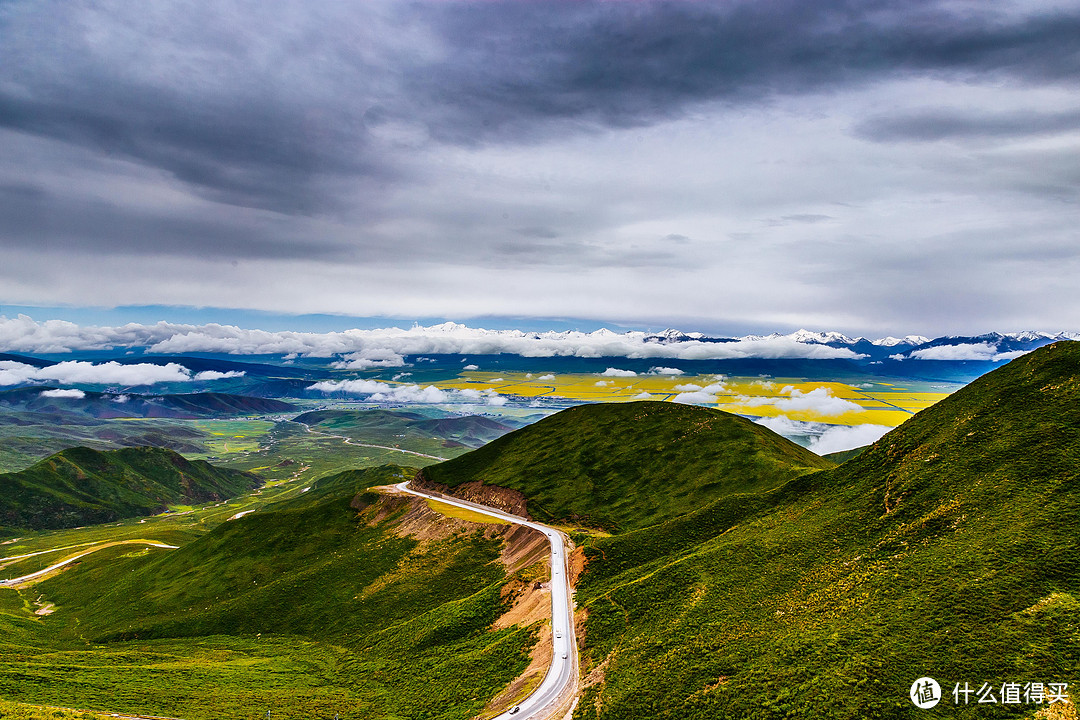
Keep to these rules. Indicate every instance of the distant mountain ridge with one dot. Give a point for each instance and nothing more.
(876, 349)
(81, 486)
(119, 405)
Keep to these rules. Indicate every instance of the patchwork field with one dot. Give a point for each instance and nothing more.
(833, 402)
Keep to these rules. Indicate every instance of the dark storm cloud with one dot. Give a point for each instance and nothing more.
(520, 69)
(255, 105)
(932, 126)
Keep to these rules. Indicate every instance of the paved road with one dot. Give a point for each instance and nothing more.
(561, 677)
(73, 558)
(350, 441)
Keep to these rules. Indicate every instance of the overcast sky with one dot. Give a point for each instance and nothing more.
(885, 166)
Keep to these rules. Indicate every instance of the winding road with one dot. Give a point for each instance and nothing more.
(349, 441)
(68, 560)
(560, 684)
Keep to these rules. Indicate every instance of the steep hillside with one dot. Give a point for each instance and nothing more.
(625, 466)
(950, 549)
(81, 486)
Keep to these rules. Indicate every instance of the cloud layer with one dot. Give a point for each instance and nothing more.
(110, 373)
(375, 391)
(823, 438)
(363, 349)
(820, 401)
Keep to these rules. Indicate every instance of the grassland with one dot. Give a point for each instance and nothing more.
(303, 609)
(950, 549)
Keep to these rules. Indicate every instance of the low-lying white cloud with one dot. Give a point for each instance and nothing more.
(823, 438)
(376, 357)
(820, 401)
(377, 391)
(74, 372)
(665, 371)
(489, 397)
(847, 437)
(549, 376)
(24, 334)
(471, 367)
(219, 375)
(961, 351)
(71, 393)
(696, 395)
(616, 372)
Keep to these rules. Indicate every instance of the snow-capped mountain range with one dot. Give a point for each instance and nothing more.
(387, 347)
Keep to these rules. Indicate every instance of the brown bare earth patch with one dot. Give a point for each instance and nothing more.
(581, 617)
(577, 561)
(529, 600)
(522, 546)
(501, 498)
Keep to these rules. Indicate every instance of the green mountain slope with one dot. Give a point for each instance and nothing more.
(308, 608)
(81, 486)
(625, 466)
(950, 549)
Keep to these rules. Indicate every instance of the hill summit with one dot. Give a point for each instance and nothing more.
(624, 466)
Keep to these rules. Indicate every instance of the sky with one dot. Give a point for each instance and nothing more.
(876, 167)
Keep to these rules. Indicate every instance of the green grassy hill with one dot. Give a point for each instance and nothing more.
(950, 548)
(844, 455)
(624, 466)
(393, 425)
(81, 486)
(307, 608)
